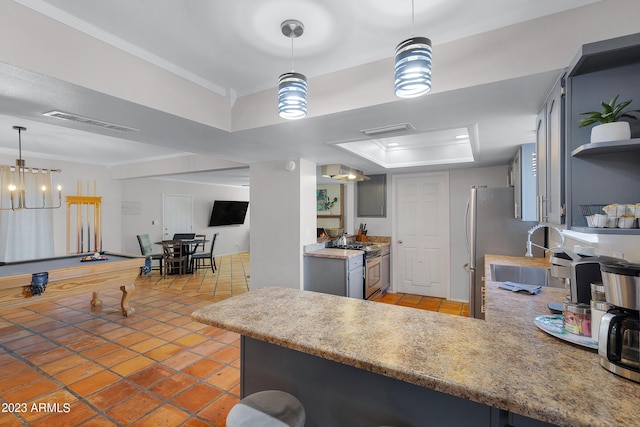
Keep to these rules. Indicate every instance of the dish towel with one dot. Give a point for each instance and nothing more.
(520, 287)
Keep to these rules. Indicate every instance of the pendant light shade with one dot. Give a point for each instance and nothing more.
(292, 87)
(413, 67)
(292, 96)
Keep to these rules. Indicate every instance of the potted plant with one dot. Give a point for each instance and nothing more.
(610, 128)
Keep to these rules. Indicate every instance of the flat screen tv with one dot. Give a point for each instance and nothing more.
(226, 212)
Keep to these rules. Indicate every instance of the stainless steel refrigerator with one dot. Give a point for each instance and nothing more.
(491, 229)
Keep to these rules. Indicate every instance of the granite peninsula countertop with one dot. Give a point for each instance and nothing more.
(503, 361)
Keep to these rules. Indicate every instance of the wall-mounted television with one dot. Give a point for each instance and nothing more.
(227, 212)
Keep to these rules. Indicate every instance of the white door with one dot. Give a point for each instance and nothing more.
(177, 215)
(421, 227)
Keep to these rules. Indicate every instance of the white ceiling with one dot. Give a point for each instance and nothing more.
(235, 48)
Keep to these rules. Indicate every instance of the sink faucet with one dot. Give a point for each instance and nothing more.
(530, 244)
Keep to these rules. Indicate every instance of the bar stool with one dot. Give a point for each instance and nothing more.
(270, 408)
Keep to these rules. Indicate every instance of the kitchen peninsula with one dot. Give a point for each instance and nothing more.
(354, 362)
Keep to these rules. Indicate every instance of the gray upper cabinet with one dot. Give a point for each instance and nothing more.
(602, 173)
(372, 197)
(550, 157)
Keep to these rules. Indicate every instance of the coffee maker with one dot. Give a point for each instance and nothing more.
(579, 271)
(618, 341)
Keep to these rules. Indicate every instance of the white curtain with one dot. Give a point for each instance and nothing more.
(27, 233)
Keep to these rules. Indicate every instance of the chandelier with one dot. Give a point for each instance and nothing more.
(413, 65)
(292, 87)
(21, 181)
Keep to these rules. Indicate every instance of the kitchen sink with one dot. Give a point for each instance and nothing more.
(525, 275)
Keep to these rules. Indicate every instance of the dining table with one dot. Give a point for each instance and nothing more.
(189, 247)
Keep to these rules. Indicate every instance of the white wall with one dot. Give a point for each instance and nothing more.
(108, 189)
(148, 193)
(287, 222)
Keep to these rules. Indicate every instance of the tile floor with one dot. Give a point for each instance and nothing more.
(65, 364)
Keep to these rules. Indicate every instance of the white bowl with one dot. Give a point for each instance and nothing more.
(626, 222)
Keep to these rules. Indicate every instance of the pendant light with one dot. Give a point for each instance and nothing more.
(292, 87)
(17, 182)
(413, 65)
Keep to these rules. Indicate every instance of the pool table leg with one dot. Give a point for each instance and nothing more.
(95, 300)
(127, 290)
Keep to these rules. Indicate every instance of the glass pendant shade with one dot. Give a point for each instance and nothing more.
(292, 96)
(413, 67)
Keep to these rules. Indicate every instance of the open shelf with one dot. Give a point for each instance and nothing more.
(596, 148)
(619, 231)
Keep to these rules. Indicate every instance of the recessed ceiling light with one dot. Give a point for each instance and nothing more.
(392, 144)
(462, 136)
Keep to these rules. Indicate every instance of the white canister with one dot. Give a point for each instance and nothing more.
(598, 309)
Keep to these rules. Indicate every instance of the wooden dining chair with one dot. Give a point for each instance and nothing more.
(147, 252)
(174, 258)
(200, 258)
(200, 245)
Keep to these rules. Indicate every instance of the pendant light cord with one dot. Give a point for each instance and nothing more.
(413, 30)
(292, 65)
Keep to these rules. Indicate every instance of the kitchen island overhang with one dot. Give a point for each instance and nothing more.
(503, 363)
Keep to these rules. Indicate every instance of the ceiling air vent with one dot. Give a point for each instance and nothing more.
(88, 121)
(402, 127)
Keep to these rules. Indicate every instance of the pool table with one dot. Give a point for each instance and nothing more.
(68, 276)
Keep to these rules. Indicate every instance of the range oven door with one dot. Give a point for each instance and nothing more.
(373, 276)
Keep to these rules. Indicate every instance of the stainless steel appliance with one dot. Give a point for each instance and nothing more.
(491, 229)
(372, 265)
(619, 336)
(579, 271)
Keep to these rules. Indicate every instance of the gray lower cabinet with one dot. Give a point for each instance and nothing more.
(335, 276)
(334, 394)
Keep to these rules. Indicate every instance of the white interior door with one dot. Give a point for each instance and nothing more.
(177, 215)
(421, 212)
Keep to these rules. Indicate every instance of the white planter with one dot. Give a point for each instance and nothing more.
(616, 131)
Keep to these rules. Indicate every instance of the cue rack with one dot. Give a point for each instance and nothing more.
(88, 221)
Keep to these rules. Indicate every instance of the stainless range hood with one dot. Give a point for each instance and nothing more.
(343, 173)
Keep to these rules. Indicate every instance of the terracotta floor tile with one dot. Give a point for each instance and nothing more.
(37, 349)
(182, 360)
(208, 347)
(172, 386)
(49, 356)
(227, 337)
(133, 408)
(203, 368)
(19, 379)
(12, 368)
(86, 343)
(100, 350)
(131, 339)
(24, 342)
(99, 421)
(174, 334)
(151, 375)
(428, 305)
(190, 340)
(116, 333)
(63, 364)
(226, 378)
(147, 345)
(196, 422)
(227, 354)
(77, 413)
(165, 415)
(116, 357)
(217, 412)
(450, 311)
(78, 373)
(164, 352)
(132, 365)
(94, 383)
(112, 395)
(196, 397)
(8, 419)
(30, 391)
